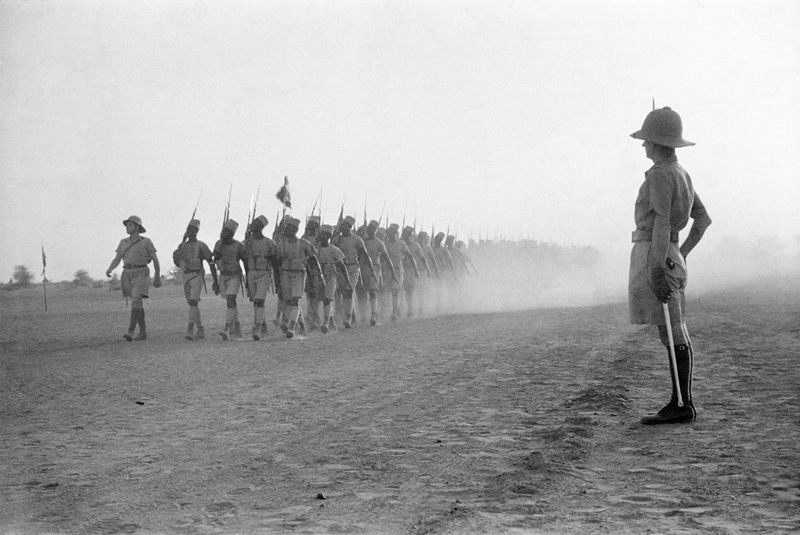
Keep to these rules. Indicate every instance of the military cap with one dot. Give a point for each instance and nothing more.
(194, 223)
(135, 219)
(394, 227)
(350, 220)
(326, 229)
(373, 224)
(409, 230)
(439, 236)
(313, 219)
(422, 234)
(292, 222)
(263, 220)
(231, 224)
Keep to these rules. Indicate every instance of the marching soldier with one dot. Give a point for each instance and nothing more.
(189, 257)
(228, 254)
(261, 259)
(447, 267)
(313, 295)
(400, 255)
(355, 254)
(331, 258)
(377, 252)
(665, 203)
(459, 250)
(431, 285)
(295, 255)
(136, 252)
(410, 284)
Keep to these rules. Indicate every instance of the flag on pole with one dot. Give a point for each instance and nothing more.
(283, 194)
(44, 277)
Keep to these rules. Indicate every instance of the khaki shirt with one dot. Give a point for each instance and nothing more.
(397, 252)
(328, 258)
(667, 191)
(138, 252)
(191, 256)
(258, 253)
(349, 245)
(293, 254)
(228, 256)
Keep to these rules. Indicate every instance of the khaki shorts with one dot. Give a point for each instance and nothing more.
(135, 283)
(644, 307)
(395, 285)
(229, 284)
(192, 286)
(259, 284)
(354, 272)
(331, 279)
(292, 284)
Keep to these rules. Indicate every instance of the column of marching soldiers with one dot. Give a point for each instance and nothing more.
(347, 274)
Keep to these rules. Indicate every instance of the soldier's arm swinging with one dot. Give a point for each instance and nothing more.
(114, 264)
(340, 265)
(156, 271)
(386, 257)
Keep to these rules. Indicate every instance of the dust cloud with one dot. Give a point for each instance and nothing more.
(518, 275)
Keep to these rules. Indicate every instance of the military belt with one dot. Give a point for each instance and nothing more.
(134, 266)
(647, 235)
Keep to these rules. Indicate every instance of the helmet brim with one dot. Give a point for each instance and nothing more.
(675, 143)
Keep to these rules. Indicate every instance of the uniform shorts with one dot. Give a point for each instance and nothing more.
(410, 282)
(229, 284)
(259, 283)
(395, 285)
(375, 282)
(135, 283)
(292, 283)
(331, 278)
(354, 272)
(644, 307)
(192, 285)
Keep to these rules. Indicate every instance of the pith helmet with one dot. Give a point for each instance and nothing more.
(326, 229)
(231, 224)
(663, 127)
(194, 223)
(135, 219)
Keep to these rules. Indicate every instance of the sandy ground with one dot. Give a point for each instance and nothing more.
(523, 422)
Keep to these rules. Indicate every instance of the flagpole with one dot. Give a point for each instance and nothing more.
(44, 277)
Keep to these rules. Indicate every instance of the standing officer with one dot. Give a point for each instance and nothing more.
(294, 254)
(400, 255)
(665, 203)
(189, 257)
(331, 258)
(228, 255)
(355, 253)
(261, 259)
(136, 252)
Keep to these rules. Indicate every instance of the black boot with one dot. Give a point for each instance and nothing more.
(672, 413)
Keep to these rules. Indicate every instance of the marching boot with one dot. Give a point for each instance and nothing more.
(132, 324)
(671, 413)
(142, 327)
(258, 322)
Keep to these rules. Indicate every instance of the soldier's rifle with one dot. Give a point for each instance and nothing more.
(227, 214)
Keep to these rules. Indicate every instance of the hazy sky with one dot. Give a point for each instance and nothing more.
(507, 117)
